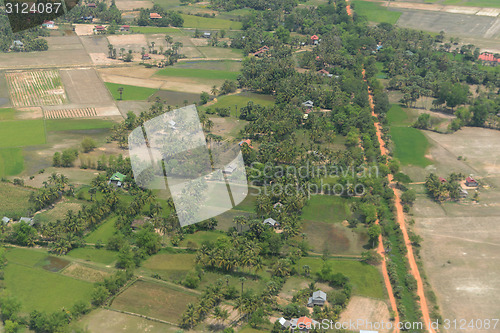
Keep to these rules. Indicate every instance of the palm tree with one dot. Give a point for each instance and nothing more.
(120, 91)
(209, 125)
(307, 269)
(214, 90)
(242, 280)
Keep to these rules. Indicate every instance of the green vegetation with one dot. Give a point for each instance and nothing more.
(411, 146)
(202, 236)
(11, 161)
(155, 30)
(7, 114)
(192, 21)
(240, 100)
(154, 299)
(38, 288)
(18, 133)
(474, 3)
(375, 12)
(14, 200)
(198, 73)
(170, 266)
(91, 254)
(103, 232)
(366, 279)
(130, 93)
(396, 116)
(325, 208)
(76, 124)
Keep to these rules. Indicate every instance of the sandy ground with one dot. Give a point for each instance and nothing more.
(83, 86)
(461, 240)
(84, 29)
(366, 310)
(128, 5)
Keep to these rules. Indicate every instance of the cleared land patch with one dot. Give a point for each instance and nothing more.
(103, 232)
(172, 266)
(91, 254)
(130, 93)
(155, 300)
(375, 12)
(85, 273)
(366, 309)
(198, 73)
(32, 88)
(192, 21)
(84, 86)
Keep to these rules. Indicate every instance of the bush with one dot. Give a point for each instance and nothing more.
(192, 281)
(88, 144)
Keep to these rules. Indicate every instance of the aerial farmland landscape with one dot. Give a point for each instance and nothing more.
(358, 142)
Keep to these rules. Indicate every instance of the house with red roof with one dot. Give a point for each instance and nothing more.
(471, 182)
(99, 29)
(315, 39)
(261, 51)
(247, 141)
(125, 28)
(91, 5)
(303, 324)
(154, 16)
(442, 180)
(489, 58)
(324, 72)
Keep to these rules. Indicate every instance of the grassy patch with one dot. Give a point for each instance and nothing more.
(366, 279)
(220, 65)
(38, 289)
(170, 266)
(241, 100)
(103, 232)
(76, 124)
(202, 236)
(155, 30)
(335, 238)
(91, 254)
(375, 12)
(14, 200)
(59, 211)
(11, 161)
(381, 74)
(411, 146)
(192, 21)
(22, 133)
(198, 73)
(397, 116)
(154, 299)
(327, 208)
(130, 93)
(25, 257)
(7, 114)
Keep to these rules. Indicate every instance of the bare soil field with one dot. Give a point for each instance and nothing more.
(128, 5)
(32, 88)
(82, 272)
(84, 86)
(134, 42)
(482, 31)
(63, 51)
(102, 320)
(462, 240)
(366, 309)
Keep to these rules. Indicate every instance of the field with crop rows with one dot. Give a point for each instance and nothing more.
(35, 88)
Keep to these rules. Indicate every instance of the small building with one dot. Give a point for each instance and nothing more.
(139, 223)
(308, 104)
(315, 39)
(271, 222)
(261, 51)
(5, 220)
(463, 193)
(324, 72)
(284, 323)
(207, 34)
(91, 5)
(489, 58)
(317, 298)
(247, 141)
(442, 180)
(99, 29)
(27, 220)
(302, 324)
(154, 16)
(146, 56)
(229, 169)
(125, 28)
(117, 179)
(17, 44)
(471, 182)
(171, 124)
(48, 24)
(88, 18)
(278, 206)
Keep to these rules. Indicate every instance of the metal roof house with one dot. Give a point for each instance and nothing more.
(5, 220)
(318, 298)
(117, 179)
(27, 220)
(272, 222)
(308, 104)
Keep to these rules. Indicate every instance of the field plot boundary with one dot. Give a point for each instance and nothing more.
(70, 113)
(35, 88)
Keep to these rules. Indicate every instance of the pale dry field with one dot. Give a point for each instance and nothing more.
(461, 247)
(366, 310)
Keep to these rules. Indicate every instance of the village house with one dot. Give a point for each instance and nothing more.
(247, 141)
(324, 72)
(48, 24)
(145, 56)
(315, 39)
(278, 206)
(463, 193)
(17, 44)
(154, 16)
(261, 51)
(489, 58)
(5, 220)
(284, 323)
(271, 222)
(302, 324)
(207, 34)
(27, 220)
(308, 104)
(139, 223)
(442, 180)
(91, 5)
(471, 182)
(117, 179)
(99, 29)
(317, 298)
(125, 28)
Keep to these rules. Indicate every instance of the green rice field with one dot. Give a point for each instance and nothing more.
(55, 125)
(192, 21)
(130, 93)
(19, 133)
(375, 12)
(91, 254)
(198, 73)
